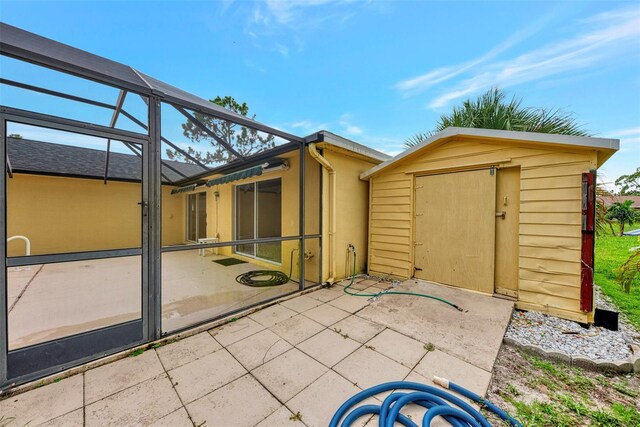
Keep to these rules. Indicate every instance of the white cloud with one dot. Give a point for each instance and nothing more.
(422, 82)
(601, 38)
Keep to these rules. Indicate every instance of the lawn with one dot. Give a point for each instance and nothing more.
(611, 252)
(540, 393)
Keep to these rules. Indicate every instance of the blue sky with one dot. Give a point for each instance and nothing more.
(376, 72)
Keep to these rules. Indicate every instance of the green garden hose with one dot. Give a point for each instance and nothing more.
(387, 292)
(260, 278)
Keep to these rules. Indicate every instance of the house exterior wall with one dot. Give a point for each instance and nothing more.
(352, 201)
(549, 251)
(220, 215)
(59, 214)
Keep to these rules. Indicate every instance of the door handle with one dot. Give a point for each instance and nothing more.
(502, 214)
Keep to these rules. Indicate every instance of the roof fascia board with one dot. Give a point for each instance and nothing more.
(606, 145)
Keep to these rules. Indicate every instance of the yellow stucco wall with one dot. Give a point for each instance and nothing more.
(220, 215)
(60, 214)
(549, 222)
(352, 201)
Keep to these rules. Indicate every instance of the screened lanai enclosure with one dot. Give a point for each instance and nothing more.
(133, 209)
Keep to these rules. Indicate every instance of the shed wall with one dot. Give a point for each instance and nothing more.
(550, 215)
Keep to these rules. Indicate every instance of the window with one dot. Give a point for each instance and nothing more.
(259, 215)
(196, 216)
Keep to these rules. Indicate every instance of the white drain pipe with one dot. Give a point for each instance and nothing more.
(27, 243)
(332, 216)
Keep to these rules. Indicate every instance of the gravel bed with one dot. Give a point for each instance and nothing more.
(552, 333)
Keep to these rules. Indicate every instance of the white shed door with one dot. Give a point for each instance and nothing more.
(455, 229)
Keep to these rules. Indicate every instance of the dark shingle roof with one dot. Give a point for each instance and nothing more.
(28, 156)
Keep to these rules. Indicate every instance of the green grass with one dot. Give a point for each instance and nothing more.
(572, 396)
(611, 253)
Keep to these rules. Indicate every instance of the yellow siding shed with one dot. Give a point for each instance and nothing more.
(534, 182)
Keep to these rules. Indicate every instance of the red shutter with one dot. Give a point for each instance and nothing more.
(588, 240)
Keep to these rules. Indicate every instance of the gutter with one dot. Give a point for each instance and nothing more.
(332, 200)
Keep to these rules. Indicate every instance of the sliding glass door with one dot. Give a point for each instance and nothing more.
(196, 216)
(258, 214)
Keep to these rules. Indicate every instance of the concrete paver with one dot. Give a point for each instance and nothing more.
(473, 335)
(286, 375)
(398, 347)
(113, 377)
(187, 350)
(44, 403)
(326, 314)
(465, 374)
(235, 331)
(357, 328)
(258, 349)
(142, 404)
(243, 402)
(283, 417)
(318, 345)
(269, 316)
(277, 365)
(318, 402)
(366, 368)
(179, 418)
(297, 329)
(301, 304)
(204, 375)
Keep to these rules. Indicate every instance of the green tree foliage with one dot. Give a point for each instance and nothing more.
(623, 213)
(629, 184)
(492, 110)
(629, 272)
(244, 140)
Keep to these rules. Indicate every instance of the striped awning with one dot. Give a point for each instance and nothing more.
(236, 176)
(184, 189)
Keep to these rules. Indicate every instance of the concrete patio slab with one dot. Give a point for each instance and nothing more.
(44, 403)
(283, 417)
(318, 346)
(301, 304)
(357, 328)
(318, 402)
(258, 349)
(243, 402)
(245, 372)
(443, 365)
(350, 303)
(179, 418)
(398, 347)
(297, 329)
(286, 375)
(326, 314)
(187, 350)
(366, 368)
(72, 419)
(142, 404)
(269, 316)
(114, 377)
(204, 375)
(473, 335)
(235, 331)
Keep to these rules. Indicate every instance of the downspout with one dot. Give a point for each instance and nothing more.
(332, 216)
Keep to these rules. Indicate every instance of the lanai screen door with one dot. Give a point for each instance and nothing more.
(80, 292)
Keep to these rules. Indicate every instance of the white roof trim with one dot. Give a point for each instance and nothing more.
(578, 141)
(354, 147)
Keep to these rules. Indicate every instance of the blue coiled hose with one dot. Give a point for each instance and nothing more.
(437, 401)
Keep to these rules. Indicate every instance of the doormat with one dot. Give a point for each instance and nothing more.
(229, 261)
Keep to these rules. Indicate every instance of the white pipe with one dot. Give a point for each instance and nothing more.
(332, 216)
(27, 243)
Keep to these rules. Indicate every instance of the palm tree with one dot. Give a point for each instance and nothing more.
(491, 110)
(623, 213)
